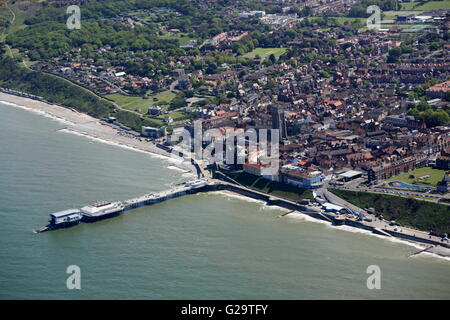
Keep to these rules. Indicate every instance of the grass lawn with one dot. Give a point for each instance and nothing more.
(20, 18)
(274, 188)
(183, 38)
(176, 116)
(435, 175)
(121, 99)
(265, 52)
(430, 5)
(166, 96)
(341, 20)
(138, 103)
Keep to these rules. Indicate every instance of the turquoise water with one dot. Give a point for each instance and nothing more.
(206, 246)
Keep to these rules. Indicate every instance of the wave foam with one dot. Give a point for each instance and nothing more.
(231, 195)
(308, 218)
(39, 112)
(127, 147)
(430, 255)
(177, 169)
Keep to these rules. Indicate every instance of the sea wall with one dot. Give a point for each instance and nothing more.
(413, 238)
(328, 217)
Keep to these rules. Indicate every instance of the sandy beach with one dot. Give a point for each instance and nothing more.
(82, 124)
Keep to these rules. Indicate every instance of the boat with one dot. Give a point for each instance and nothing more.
(101, 210)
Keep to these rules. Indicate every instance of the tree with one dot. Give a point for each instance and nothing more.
(272, 58)
(178, 102)
(325, 74)
(394, 55)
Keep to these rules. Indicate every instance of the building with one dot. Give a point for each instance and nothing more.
(439, 90)
(261, 171)
(253, 168)
(443, 185)
(183, 81)
(443, 162)
(257, 14)
(152, 132)
(329, 207)
(154, 111)
(350, 175)
(403, 121)
(302, 179)
(387, 170)
(404, 18)
(279, 121)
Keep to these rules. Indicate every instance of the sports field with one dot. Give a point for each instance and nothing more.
(265, 52)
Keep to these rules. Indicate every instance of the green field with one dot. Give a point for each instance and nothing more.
(140, 104)
(445, 4)
(182, 38)
(176, 116)
(341, 20)
(265, 52)
(121, 99)
(410, 212)
(435, 176)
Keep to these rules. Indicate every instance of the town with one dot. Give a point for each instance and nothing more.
(357, 109)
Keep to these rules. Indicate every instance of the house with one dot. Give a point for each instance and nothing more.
(439, 90)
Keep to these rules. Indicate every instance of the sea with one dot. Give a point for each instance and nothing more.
(203, 246)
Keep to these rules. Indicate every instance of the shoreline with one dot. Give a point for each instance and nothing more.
(347, 228)
(89, 127)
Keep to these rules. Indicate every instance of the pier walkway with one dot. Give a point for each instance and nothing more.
(151, 198)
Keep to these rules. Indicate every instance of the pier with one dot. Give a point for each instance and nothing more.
(104, 210)
(68, 217)
(152, 198)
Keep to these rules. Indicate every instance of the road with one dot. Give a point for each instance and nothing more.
(435, 198)
(355, 185)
